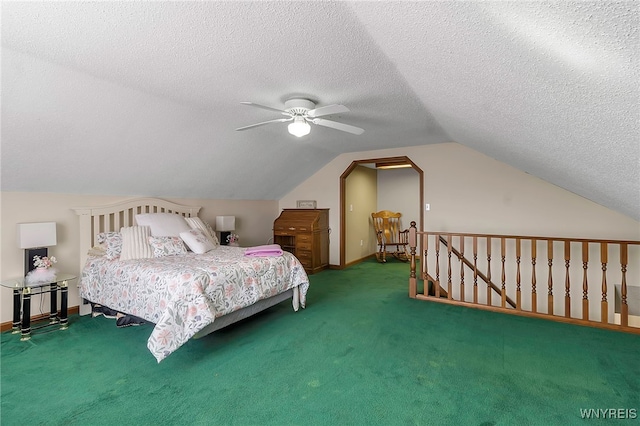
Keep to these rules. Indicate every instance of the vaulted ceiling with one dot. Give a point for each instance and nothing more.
(142, 98)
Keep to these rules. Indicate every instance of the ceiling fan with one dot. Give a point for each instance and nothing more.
(301, 112)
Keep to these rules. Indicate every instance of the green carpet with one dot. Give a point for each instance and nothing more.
(361, 353)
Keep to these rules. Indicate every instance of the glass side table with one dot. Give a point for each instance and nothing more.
(22, 302)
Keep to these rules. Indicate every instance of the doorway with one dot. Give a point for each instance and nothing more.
(379, 163)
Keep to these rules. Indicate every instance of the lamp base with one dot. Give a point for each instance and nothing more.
(28, 257)
(223, 238)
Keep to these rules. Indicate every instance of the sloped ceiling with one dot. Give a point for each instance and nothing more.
(142, 98)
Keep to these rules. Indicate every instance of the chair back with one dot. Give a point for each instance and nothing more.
(387, 225)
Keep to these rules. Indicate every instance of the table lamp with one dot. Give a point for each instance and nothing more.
(224, 225)
(34, 238)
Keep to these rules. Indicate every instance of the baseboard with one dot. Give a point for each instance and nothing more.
(355, 262)
(6, 326)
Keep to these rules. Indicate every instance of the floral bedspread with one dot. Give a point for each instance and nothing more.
(183, 294)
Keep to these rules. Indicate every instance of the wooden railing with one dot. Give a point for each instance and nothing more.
(545, 277)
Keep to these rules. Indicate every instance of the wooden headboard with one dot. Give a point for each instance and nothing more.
(112, 217)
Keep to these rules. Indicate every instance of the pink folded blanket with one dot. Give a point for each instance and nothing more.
(266, 250)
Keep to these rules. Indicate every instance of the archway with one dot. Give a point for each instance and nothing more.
(379, 162)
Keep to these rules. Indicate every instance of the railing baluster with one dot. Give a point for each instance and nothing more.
(585, 285)
(518, 293)
(534, 294)
(604, 305)
(425, 265)
(488, 271)
(461, 268)
(550, 278)
(475, 269)
(567, 284)
(437, 283)
(413, 243)
(503, 275)
(449, 285)
(624, 307)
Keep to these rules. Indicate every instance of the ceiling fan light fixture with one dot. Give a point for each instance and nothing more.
(301, 113)
(299, 127)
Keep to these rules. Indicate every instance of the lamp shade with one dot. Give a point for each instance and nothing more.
(32, 235)
(225, 223)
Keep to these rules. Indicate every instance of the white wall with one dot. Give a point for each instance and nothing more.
(470, 192)
(398, 191)
(254, 223)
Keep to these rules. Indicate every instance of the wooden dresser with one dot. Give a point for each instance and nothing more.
(305, 233)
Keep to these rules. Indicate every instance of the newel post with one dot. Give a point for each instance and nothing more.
(413, 242)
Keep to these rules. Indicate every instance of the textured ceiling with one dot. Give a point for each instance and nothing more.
(142, 98)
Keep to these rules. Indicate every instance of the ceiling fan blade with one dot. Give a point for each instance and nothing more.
(277, 120)
(339, 126)
(327, 110)
(266, 107)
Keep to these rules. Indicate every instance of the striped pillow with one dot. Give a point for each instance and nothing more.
(135, 243)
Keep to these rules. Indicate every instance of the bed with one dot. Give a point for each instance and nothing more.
(186, 294)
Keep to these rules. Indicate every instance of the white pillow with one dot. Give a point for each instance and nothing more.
(163, 224)
(197, 223)
(197, 241)
(135, 243)
(98, 251)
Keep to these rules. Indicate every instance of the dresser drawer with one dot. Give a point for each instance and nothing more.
(284, 230)
(303, 254)
(301, 237)
(306, 263)
(304, 245)
(292, 227)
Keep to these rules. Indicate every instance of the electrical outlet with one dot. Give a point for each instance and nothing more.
(361, 243)
(427, 207)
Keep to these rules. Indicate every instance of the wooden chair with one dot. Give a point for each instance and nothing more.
(390, 238)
